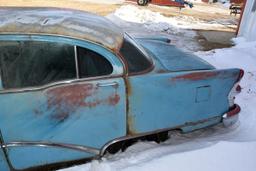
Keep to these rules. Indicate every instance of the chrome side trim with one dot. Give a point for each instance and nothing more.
(51, 144)
(128, 137)
(72, 81)
(107, 84)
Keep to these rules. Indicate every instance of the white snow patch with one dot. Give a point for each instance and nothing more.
(152, 19)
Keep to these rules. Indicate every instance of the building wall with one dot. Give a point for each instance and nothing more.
(248, 24)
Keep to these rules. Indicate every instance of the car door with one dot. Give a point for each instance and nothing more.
(58, 101)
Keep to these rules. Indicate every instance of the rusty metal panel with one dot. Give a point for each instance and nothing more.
(88, 113)
(62, 22)
(165, 100)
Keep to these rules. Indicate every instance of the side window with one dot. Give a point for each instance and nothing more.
(35, 63)
(92, 64)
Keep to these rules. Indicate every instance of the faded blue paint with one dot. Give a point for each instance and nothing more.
(172, 58)
(41, 115)
(25, 156)
(82, 114)
(156, 38)
(3, 163)
(160, 101)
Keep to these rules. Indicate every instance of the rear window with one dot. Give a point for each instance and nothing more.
(134, 57)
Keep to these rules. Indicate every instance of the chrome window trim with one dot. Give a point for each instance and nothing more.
(76, 62)
(75, 147)
(59, 83)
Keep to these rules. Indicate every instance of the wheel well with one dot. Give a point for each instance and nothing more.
(124, 144)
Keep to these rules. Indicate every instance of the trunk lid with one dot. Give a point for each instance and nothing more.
(172, 58)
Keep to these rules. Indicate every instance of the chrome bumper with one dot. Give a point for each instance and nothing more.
(231, 116)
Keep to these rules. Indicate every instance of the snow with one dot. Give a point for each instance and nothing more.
(225, 3)
(144, 22)
(211, 149)
(134, 14)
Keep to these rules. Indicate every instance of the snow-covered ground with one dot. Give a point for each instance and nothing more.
(132, 13)
(212, 149)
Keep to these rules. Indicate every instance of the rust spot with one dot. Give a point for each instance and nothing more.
(128, 87)
(130, 125)
(65, 100)
(195, 76)
(113, 100)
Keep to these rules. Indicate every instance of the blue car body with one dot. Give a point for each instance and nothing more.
(79, 118)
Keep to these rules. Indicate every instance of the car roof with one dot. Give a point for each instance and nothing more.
(62, 22)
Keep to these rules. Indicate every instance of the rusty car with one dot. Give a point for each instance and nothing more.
(74, 86)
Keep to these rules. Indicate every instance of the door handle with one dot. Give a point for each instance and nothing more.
(107, 84)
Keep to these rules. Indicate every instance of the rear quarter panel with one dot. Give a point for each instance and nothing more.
(174, 99)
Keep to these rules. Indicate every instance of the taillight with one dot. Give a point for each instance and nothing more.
(235, 90)
(241, 74)
(234, 111)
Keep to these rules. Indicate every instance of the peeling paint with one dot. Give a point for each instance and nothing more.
(64, 101)
(195, 76)
(130, 122)
(64, 22)
(113, 100)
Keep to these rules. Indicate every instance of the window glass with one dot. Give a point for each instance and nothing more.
(136, 60)
(35, 63)
(92, 64)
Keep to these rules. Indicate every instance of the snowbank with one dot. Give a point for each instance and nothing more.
(152, 19)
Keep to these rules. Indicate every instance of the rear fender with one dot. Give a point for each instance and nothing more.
(167, 100)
